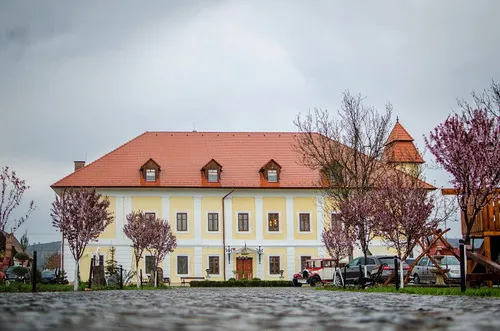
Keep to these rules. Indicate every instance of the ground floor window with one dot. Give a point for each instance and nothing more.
(274, 265)
(149, 262)
(182, 265)
(303, 260)
(213, 265)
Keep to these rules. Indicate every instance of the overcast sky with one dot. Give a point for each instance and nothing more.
(79, 78)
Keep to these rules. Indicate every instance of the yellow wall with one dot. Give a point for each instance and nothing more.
(110, 231)
(86, 260)
(274, 205)
(210, 205)
(213, 251)
(305, 205)
(174, 278)
(244, 205)
(182, 205)
(275, 251)
(147, 204)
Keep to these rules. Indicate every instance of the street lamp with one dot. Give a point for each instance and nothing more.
(228, 251)
(260, 251)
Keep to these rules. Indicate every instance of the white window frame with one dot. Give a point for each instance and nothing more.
(146, 175)
(208, 265)
(177, 265)
(310, 222)
(187, 221)
(145, 272)
(249, 222)
(280, 224)
(211, 172)
(218, 222)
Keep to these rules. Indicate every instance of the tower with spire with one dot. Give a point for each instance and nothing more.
(401, 152)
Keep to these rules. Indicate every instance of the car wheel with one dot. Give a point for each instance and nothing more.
(416, 279)
(296, 283)
(314, 281)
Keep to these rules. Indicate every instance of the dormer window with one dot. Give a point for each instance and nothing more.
(212, 171)
(150, 175)
(272, 176)
(213, 176)
(271, 171)
(150, 171)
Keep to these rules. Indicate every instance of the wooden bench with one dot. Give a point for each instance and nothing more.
(188, 280)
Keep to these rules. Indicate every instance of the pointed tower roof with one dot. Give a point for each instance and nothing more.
(400, 148)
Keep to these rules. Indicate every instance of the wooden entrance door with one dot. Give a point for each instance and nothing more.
(244, 268)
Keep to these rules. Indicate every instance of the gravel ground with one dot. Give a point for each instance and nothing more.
(244, 309)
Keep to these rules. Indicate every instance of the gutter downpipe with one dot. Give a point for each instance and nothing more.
(224, 234)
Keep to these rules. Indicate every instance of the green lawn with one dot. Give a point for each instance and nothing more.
(481, 292)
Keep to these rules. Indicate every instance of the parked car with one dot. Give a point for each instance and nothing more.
(422, 271)
(317, 271)
(386, 262)
(49, 276)
(18, 274)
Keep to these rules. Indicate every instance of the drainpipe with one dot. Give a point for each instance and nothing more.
(224, 235)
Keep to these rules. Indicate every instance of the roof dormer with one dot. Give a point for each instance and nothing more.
(271, 171)
(150, 171)
(212, 171)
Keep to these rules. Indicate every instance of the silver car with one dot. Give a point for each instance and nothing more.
(422, 271)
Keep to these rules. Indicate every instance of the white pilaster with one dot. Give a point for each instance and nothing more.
(166, 267)
(119, 219)
(165, 209)
(127, 205)
(259, 224)
(197, 220)
(124, 256)
(290, 262)
(320, 211)
(260, 266)
(290, 226)
(198, 272)
(228, 219)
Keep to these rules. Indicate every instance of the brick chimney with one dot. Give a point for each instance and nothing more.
(79, 165)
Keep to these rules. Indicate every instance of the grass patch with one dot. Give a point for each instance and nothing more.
(21, 287)
(481, 292)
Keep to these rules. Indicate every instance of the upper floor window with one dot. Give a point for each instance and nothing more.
(182, 222)
(243, 222)
(213, 175)
(273, 221)
(271, 171)
(150, 215)
(213, 222)
(304, 222)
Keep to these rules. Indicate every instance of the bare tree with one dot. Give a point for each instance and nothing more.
(347, 149)
(82, 215)
(11, 196)
(488, 100)
(163, 241)
(139, 230)
(467, 146)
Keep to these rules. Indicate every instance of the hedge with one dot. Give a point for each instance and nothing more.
(241, 283)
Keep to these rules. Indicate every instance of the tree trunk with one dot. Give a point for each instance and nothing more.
(137, 274)
(76, 283)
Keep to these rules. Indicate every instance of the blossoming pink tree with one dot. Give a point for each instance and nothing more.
(11, 195)
(467, 146)
(81, 215)
(162, 242)
(338, 240)
(139, 230)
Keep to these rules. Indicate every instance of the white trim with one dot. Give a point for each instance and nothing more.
(249, 222)
(187, 221)
(198, 264)
(177, 265)
(208, 264)
(269, 265)
(280, 226)
(290, 262)
(209, 191)
(259, 223)
(219, 225)
(197, 221)
(119, 218)
(290, 228)
(320, 222)
(310, 222)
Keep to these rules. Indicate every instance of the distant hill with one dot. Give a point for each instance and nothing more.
(44, 250)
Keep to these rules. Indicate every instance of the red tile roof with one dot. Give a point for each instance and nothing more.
(400, 148)
(181, 155)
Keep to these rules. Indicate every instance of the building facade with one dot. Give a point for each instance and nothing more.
(240, 204)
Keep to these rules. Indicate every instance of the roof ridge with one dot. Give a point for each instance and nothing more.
(398, 133)
(93, 162)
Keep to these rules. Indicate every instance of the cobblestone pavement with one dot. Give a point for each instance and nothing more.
(244, 309)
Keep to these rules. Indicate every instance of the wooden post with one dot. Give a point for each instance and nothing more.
(487, 254)
(33, 273)
(463, 269)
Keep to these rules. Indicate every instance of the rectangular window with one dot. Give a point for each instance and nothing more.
(182, 265)
(274, 265)
(150, 215)
(150, 175)
(150, 262)
(243, 222)
(182, 222)
(272, 176)
(213, 222)
(304, 222)
(303, 260)
(273, 221)
(213, 265)
(213, 176)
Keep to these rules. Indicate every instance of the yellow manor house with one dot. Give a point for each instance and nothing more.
(241, 204)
